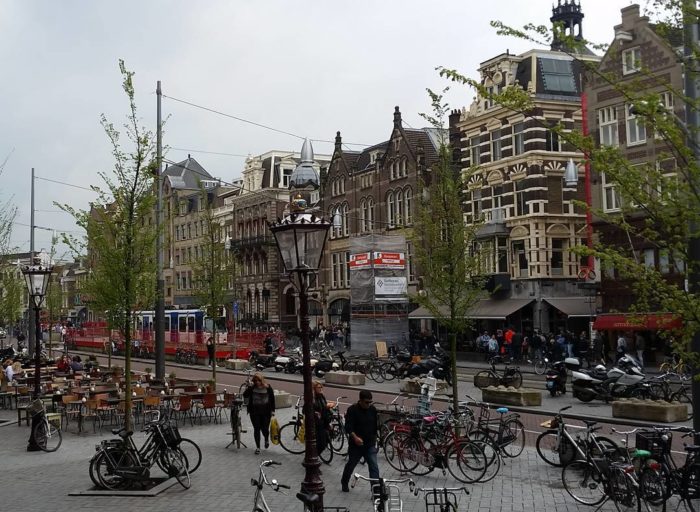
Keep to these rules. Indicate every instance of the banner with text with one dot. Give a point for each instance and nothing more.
(390, 288)
(361, 260)
(395, 260)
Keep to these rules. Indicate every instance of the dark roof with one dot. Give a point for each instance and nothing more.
(555, 77)
(186, 174)
(427, 138)
(363, 160)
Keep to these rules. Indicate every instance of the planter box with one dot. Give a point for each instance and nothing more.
(511, 396)
(236, 364)
(414, 386)
(345, 378)
(650, 410)
(283, 399)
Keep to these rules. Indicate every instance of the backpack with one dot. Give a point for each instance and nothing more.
(493, 345)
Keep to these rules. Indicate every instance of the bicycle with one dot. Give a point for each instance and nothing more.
(511, 376)
(236, 424)
(247, 383)
(676, 365)
(440, 499)
(45, 433)
(336, 429)
(386, 495)
(259, 502)
(118, 462)
(293, 436)
(557, 447)
(508, 438)
(661, 388)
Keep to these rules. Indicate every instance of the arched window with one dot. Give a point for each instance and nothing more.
(407, 198)
(370, 214)
(390, 209)
(346, 220)
(363, 216)
(336, 220)
(399, 208)
(263, 263)
(290, 307)
(404, 168)
(249, 300)
(257, 303)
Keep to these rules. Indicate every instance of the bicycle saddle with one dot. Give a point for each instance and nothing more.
(122, 432)
(307, 498)
(502, 410)
(589, 423)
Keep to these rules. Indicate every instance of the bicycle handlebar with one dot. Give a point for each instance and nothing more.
(358, 476)
(266, 463)
(624, 433)
(416, 490)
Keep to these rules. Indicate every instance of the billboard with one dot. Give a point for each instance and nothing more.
(390, 288)
(394, 260)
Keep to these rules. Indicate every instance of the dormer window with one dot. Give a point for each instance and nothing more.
(631, 61)
(373, 157)
(286, 175)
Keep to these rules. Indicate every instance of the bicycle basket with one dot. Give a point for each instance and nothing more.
(171, 435)
(654, 442)
(36, 407)
(551, 423)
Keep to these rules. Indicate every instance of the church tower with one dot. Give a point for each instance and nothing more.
(569, 16)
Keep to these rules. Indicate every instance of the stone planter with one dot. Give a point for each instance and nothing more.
(345, 378)
(236, 364)
(657, 411)
(283, 399)
(511, 396)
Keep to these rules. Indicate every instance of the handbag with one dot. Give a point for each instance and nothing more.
(274, 431)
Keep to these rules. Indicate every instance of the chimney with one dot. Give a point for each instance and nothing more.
(338, 141)
(397, 117)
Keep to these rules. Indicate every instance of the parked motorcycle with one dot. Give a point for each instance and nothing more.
(624, 380)
(294, 363)
(262, 361)
(325, 363)
(439, 365)
(556, 377)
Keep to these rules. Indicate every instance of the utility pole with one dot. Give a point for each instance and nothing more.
(31, 321)
(690, 23)
(160, 285)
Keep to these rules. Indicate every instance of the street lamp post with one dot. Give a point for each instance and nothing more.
(300, 238)
(37, 278)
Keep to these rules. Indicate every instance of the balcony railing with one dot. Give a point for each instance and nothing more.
(252, 241)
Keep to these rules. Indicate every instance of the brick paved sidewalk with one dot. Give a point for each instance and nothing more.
(41, 482)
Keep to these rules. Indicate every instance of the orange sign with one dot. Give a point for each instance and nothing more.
(358, 261)
(389, 260)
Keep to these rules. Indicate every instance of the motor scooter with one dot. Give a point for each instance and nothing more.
(556, 377)
(624, 380)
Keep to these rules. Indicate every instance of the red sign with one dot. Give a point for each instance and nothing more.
(638, 322)
(389, 260)
(358, 261)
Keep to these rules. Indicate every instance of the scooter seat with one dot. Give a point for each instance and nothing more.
(502, 410)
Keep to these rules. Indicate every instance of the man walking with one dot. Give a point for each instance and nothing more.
(361, 427)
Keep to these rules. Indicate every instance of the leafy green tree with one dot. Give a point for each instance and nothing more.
(443, 242)
(120, 238)
(10, 282)
(660, 206)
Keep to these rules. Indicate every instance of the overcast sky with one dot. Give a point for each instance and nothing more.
(309, 67)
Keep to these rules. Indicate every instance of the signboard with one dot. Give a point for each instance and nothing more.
(395, 260)
(390, 287)
(235, 308)
(358, 261)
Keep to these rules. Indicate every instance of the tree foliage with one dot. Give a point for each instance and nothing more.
(120, 234)
(10, 282)
(442, 242)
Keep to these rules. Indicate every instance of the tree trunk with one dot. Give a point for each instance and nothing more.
(453, 370)
(127, 373)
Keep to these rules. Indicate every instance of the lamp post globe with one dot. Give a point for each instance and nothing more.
(37, 278)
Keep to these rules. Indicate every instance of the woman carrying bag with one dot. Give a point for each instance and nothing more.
(260, 402)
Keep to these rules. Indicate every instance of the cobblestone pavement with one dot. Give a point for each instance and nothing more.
(40, 481)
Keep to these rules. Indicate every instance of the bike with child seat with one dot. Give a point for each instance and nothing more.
(385, 493)
(557, 446)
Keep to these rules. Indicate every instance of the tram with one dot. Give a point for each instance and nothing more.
(181, 326)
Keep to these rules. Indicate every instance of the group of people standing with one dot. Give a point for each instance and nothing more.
(336, 336)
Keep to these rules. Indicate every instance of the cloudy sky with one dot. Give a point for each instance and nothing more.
(308, 67)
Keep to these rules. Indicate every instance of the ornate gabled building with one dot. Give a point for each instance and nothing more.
(372, 192)
(514, 165)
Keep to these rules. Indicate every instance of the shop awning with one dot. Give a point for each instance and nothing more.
(637, 321)
(573, 306)
(485, 309)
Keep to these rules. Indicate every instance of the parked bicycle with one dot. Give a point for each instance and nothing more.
(119, 463)
(510, 376)
(236, 405)
(259, 502)
(671, 387)
(385, 493)
(441, 499)
(46, 434)
(293, 435)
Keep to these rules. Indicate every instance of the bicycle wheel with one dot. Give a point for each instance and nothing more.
(493, 458)
(584, 483)
(375, 373)
(326, 455)
(653, 486)
(289, 438)
(176, 466)
(622, 491)
(396, 451)
(554, 450)
(47, 436)
(105, 467)
(540, 366)
(690, 484)
(336, 439)
(484, 379)
(515, 379)
(389, 371)
(466, 461)
(192, 454)
(606, 444)
(513, 438)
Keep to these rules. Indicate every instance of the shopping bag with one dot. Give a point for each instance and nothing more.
(274, 431)
(302, 433)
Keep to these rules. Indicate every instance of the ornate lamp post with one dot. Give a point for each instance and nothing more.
(37, 278)
(300, 238)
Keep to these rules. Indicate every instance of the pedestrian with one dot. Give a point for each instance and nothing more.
(516, 345)
(211, 351)
(598, 355)
(361, 427)
(508, 341)
(323, 415)
(492, 348)
(621, 346)
(260, 402)
(639, 346)
(8, 370)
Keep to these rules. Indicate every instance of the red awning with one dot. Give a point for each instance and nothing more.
(638, 322)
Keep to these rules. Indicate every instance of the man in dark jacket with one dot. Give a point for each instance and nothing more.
(361, 427)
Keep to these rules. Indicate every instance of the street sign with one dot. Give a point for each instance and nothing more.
(235, 308)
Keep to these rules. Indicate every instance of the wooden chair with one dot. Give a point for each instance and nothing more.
(90, 412)
(208, 407)
(72, 408)
(151, 404)
(22, 400)
(104, 409)
(183, 408)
